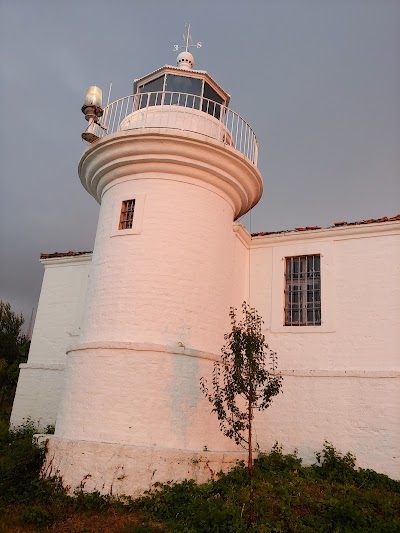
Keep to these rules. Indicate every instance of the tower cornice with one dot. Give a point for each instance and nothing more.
(193, 157)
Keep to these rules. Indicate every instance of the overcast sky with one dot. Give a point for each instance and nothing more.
(318, 80)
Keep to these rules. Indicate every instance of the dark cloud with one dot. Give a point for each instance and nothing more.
(318, 82)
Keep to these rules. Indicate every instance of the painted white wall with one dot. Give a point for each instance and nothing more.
(158, 299)
(360, 273)
(63, 289)
(170, 283)
(138, 395)
(38, 394)
(341, 379)
(240, 286)
(57, 325)
(178, 117)
(356, 412)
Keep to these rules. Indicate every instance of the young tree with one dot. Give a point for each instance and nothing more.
(245, 379)
(14, 347)
(11, 337)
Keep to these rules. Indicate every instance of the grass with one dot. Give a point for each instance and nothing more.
(330, 496)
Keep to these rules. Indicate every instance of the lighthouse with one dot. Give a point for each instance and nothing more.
(172, 167)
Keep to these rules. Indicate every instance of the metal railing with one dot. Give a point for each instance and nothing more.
(187, 112)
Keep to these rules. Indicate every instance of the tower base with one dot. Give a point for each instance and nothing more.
(117, 469)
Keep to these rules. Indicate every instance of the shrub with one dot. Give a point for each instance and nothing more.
(91, 501)
(370, 479)
(145, 528)
(36, 515)
(334, 466)
(277, 462)
(330, 497)
(20, 463)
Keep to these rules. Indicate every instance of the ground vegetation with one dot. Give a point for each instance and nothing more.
(14, 348)
(331, 496)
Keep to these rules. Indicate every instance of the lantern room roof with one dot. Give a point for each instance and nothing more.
(192, 73)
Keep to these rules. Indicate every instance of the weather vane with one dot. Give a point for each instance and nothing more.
(187, 39)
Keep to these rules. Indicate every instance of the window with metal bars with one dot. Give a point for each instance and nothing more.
(303, 290)
(127, 212)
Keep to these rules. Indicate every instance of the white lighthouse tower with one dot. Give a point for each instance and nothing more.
(172, 167)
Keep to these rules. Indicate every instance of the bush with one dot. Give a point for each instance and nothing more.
(36, 515)
(332, 496)
(14, 348)
(334, 466)
(277, 462)
(20, 463)
(373, 480)
(145, 528)
(195, 508)
(91, 501)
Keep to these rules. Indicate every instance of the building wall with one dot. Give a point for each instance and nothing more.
(240, 274)
(169, 283)
(57, 325)
(341, 379)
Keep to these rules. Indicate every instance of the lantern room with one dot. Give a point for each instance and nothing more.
(178, 98)
(181, 85)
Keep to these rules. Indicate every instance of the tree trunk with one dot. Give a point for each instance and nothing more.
(250, 463)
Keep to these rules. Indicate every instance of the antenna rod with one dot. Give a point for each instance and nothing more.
(109, 94)
(187, 36)
(187, 39)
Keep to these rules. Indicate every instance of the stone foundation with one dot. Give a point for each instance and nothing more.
(131, 470)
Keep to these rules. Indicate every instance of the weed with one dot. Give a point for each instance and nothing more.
(144, 528)
(91, 501)
(335, 466)
(332, 496)
(277, 462)
(20, 463)
(36, 515)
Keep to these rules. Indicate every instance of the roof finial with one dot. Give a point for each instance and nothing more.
(185, 59)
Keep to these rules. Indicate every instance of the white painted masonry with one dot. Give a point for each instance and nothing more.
(123, 335)
(57, 324)
(341, 379)
(156, 306)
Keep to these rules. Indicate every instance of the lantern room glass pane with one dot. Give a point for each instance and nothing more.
(154, 86)
(212, 105)
(185, 91)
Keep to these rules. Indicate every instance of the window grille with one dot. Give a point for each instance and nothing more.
(303, 291)
(127, 211)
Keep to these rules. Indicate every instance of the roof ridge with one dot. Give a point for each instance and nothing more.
(62, 254)
(259, 234)
(335, 225)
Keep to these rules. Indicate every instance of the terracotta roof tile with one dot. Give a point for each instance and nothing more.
(335, 225)
(260, 234)
(62, 254)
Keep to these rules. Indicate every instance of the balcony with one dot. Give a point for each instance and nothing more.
(185, 112)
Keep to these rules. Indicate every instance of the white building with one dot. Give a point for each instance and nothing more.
(123, 334)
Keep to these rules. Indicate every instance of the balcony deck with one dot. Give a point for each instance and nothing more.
(186, 112)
